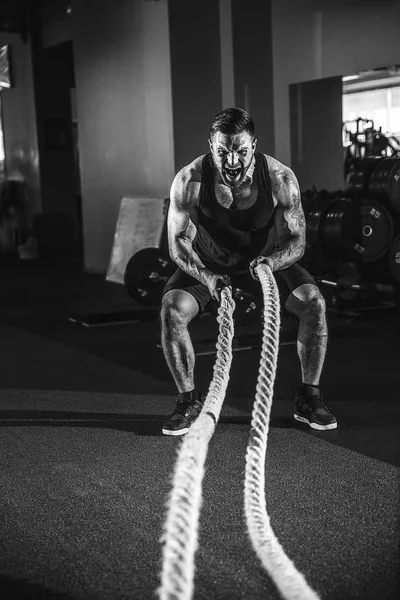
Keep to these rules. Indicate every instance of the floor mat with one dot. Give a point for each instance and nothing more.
(82, 510)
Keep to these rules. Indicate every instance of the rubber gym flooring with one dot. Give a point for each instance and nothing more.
(85, 473)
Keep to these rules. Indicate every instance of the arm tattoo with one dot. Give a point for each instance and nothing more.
(286, 183)
(297, 212)
(287, 253)
(291, 240)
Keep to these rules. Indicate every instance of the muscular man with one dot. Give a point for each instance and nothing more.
(230, 210)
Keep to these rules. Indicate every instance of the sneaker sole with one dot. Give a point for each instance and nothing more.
(175, 431)
(315, 425)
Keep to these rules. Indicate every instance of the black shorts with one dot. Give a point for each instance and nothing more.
(287, 280)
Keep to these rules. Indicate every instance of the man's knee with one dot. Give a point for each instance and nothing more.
(316, 305)
(309, 304)
(178, 308)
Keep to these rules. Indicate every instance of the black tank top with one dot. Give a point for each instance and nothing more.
(228, 239)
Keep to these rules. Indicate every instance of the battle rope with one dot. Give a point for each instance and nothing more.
(181, 526)
(290, 582)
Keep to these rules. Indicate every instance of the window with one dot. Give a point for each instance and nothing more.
(382, 106)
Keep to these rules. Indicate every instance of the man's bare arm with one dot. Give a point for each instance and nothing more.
(181, 229)
(290, 225)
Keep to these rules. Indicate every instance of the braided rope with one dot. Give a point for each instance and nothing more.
(289, 581)
(181, 527)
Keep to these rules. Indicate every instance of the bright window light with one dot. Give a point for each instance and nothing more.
(349, 77)
(381, 105)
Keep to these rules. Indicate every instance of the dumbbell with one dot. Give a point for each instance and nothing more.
(145, 275)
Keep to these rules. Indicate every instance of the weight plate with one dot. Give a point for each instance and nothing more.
(314, 221)
(393, 187)
(355, 184)
(379, 179)
(338, 226)
(357, 179)
(376, 234)
(394, 259)
(146, 274)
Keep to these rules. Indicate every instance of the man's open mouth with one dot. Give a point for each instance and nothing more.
(232, 174)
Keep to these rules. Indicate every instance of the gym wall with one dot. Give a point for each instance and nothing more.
(195, 75)
(123, 103)
(314, 39)
(253, 66)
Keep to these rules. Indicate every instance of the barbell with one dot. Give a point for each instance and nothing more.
(148, 270)
(348, 291)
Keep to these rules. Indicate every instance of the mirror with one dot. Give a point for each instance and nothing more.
(2, 152)
(5, 83)
(371, 114)
(337, 121)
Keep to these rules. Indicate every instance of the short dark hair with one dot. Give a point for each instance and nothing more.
(231, 121)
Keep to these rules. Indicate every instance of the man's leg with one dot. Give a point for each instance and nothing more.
(178, 309)
(307, 303)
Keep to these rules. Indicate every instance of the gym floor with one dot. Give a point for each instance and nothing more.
(86, 472)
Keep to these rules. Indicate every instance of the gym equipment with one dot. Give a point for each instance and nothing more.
(376, 178)
(248, 307)
(376, 226)
(357, 178)
(314, 218)
(339, 224)
(344, 284)
(384, 183)
(394, 261)
(141, 224)
(366, 141)
(350, 292)
(345, 229)
(331, 227)
(145, 275)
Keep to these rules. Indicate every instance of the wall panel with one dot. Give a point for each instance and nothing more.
(123, 103)
(196, 74)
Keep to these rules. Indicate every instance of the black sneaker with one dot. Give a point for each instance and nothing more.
(186, 412)
(310, 409)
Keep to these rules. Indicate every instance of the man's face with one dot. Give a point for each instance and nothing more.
(232, 155)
